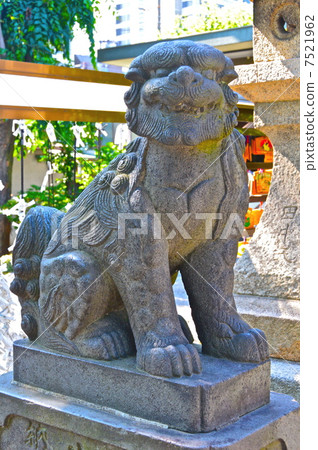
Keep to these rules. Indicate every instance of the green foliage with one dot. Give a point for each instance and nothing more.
(64, 160)
(63, 191)
(210, 17)
(35, 30)
(6, 264)
(62, 157)
(91, 168)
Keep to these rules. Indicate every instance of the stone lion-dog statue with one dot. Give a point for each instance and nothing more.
(96, 281)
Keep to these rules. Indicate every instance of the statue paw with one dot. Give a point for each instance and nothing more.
(170, 361)
(248, 346)
(107, 339)
(107, 346)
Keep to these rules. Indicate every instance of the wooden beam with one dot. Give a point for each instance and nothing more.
(76, 115)
(18, 105)
(62, 73)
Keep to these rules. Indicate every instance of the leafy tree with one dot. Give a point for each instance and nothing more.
(34, 31)
(210, 17)
(63, 191)
(6, 162)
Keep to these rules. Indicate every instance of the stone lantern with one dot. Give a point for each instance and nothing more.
(269, 269)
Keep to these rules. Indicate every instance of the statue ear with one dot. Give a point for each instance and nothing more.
(136, 74)
(228, 74)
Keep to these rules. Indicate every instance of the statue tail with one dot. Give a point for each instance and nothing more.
(33, 237)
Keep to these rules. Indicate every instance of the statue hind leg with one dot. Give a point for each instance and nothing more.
(208, 279)
(67, 303)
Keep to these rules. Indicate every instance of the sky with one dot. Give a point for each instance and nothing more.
(104, 27)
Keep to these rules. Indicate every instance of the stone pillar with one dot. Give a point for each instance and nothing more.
(270, 265)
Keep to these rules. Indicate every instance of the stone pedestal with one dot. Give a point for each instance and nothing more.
(224, 391)
(55, 401)
(32, 419)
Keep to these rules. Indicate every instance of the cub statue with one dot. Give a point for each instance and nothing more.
(96, 282)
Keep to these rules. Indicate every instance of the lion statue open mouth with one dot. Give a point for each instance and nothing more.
(96, 281)
(182, 81)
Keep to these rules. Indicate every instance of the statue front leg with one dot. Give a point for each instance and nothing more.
(208, 279)
(142, 276)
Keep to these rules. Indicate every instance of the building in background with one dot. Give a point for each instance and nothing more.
(142, 20)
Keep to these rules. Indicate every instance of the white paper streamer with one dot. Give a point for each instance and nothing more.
(18, 209)
(49, 172)
(79, 132)
(2, 186)
(20, 128)
(99, 127)
(122, 136)
(50, 133)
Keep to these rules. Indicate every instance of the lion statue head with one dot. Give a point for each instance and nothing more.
(180, 94)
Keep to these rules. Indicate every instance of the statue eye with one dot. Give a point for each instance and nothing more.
(162, 73)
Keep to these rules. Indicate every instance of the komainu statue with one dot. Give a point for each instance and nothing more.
(96, 281)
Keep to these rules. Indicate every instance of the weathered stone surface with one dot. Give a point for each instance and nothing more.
(269, 81)
(4, 290)
(276, 30)
(279, 319)
(100, 286)
(9, 324)
(287, 69)
(270, 265)
(26, 433)
(222, 393)
(271, 91)
(285, 377)
(82, 425)
(278, 114)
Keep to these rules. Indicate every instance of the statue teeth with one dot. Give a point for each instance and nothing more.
(184, 108)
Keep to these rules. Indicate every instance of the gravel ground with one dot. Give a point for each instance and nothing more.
(10, 329)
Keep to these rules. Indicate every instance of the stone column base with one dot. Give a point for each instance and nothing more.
(37, 419)
(279, 318)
